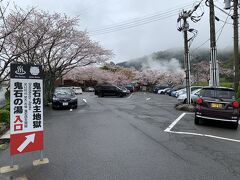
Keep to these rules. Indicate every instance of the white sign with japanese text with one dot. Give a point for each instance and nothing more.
(26, 108)
(26, 105)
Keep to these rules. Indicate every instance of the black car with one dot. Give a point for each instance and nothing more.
(64, 98)
(218, 104)
(110, 90)
(130, 88)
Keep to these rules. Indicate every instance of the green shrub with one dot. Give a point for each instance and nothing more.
(226, 84)
(4, 116)
(200, 84)
(7, 107)
(7, 95)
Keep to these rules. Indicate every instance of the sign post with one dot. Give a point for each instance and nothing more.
(26, 111)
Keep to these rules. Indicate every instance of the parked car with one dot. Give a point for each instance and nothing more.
(124, 88)
(219, 104)
(183, 91)
(174, 89)
(194, 95)
(110, 90)
(89, 89)
(179, 92)
(77, 90)
(64, 97)
(168, 91)
(130, 88)
(163, 91)
(156, 88)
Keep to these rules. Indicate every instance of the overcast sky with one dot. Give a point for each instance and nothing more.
(141, 40)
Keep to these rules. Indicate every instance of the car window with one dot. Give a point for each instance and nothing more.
(197, 92)
(218, 93)
(112, 88)
(63, 92)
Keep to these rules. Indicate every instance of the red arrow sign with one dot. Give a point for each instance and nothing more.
(26, 142)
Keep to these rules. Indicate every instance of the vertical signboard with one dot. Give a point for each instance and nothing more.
(26, 108)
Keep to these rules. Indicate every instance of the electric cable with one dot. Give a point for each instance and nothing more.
(132, 25)
(136, 22)
(223, 25)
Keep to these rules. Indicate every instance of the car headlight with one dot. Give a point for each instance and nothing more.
(55, 99)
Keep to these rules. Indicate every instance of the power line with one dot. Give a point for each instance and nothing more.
(219, 30)
(137, 21)
(134, 25)
(221, 10)
(224, 25)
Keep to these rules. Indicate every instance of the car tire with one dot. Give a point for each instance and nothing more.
(185, 101)
(120, 95)
(75, 107)
(235, 125)
(196, 120)
(100, 94)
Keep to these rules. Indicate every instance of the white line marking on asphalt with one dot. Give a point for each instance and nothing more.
(84, 100)
(168, 129)
(148, 99)
(174, 122)
(130, 96)
(204, 135)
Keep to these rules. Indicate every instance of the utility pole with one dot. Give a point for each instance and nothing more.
(214, 67)
(236, 46)
(185, 29)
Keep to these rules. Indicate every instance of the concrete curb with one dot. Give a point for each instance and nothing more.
(185, 107)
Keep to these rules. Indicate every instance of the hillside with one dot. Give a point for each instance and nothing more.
(171, 56)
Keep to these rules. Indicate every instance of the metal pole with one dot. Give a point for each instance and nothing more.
(41, 155)
(12, 162)
(214, 73)
(236, 46)
(186, 56)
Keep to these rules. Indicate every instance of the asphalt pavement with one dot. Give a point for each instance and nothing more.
(126, 138)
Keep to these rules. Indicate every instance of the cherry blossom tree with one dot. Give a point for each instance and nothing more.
(121, 76)
(11, 21)
(61, 46)
(201, 71)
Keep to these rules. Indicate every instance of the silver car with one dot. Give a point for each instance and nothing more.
(194, 95)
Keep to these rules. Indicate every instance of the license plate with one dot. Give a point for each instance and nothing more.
(65, 104)
(216, 105)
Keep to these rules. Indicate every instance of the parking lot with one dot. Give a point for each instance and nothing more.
(141, 136)
(208, 128)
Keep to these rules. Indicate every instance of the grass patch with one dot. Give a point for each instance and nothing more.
(226, 84)
(200, 84)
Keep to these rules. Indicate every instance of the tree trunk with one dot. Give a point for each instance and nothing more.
(48, 82)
